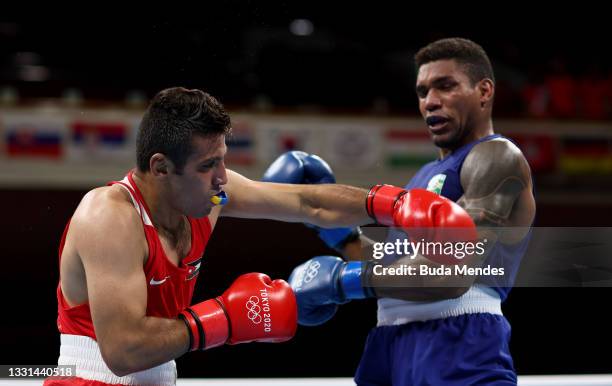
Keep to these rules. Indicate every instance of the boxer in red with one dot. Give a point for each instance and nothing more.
(131, 253)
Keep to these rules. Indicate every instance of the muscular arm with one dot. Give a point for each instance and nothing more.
(328, 206)
(497, 189)
(109, 239)
(497, 193)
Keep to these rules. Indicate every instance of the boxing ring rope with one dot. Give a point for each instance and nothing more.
(527, 380)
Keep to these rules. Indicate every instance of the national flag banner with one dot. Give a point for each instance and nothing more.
(586, 155)
(26, 137)
(540, 150)
(30, 143)
(408, 148)
(103, 133)
(100, 139)
(240, 144)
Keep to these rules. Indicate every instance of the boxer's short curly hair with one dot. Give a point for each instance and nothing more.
(173, 117)
(471, 56)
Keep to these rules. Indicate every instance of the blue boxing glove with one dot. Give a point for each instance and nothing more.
(324, 282)
(298, 167)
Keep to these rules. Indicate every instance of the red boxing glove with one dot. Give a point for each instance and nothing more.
(426, 216)
(253, 308)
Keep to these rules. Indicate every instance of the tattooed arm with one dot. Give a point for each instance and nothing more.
(497, 187)
(497, 193)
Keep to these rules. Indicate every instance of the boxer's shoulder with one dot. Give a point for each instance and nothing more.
(494, 161)
(498, 150)
(104, 221)
(107, 207)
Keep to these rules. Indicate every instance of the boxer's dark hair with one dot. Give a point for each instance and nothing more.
(173, 117)
(471, 56)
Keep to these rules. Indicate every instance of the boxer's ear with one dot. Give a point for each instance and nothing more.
(486, 89)
(160, 165)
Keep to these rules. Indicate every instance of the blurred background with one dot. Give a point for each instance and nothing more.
(337, 84)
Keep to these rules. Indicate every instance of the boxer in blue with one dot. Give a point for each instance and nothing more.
(434, 329)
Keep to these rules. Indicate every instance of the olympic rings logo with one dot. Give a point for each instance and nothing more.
(252, 305)
(311, 271)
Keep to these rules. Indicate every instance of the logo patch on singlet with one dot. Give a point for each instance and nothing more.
(194, 268)
(158, 282)
(436, 183)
